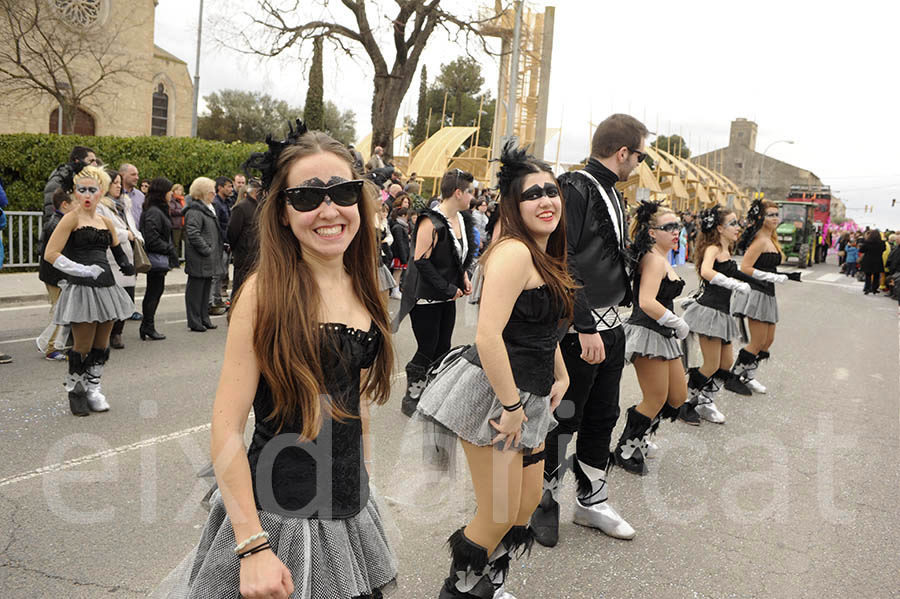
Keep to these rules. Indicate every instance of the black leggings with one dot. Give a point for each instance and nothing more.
(156, 284)
(872, 281)
(432, 324)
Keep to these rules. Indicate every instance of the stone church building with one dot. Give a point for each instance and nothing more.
(741, 163)
(156, 98)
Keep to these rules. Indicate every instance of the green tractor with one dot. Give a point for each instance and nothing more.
(797, 231)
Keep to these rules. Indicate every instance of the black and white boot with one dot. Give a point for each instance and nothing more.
(632, 447)
(688, 410)
(592, 506)
(75, 384)
(544, 523)
(93, 372)
(666, 413)
(744, 365)
(706, 399)
(469, 572)
(415, 383)
(516, 543)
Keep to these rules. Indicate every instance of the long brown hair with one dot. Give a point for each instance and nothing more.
(287, 338)
(708, 238)
(550, 264)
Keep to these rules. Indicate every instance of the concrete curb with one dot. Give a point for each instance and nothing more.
(41, 298)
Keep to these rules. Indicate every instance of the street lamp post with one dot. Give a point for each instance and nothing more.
(763, 160)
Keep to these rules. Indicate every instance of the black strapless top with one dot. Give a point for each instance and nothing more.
(668, 291)
(767, 261)
(88, 245)
(716, 296)
(530, 336)
(325, 478)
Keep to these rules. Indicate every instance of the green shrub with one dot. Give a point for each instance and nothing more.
(27, 159)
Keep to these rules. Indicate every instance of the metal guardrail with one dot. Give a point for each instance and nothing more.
(21, 239)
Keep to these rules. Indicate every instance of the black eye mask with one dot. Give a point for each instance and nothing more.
(536, 192)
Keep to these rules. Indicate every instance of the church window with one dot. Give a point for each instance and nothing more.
(80, 12)
(160, 119)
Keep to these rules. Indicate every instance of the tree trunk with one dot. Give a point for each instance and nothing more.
(70, 112)
(389, 92)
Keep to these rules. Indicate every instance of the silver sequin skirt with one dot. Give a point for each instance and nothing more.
(710, 322)
(642, 342)
(328, 559)
(81, 303)
(756, 305)
(460, 398)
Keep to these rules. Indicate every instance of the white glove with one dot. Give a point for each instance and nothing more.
(671, 320)
(769, 277)
(75, 269)
(729, 283)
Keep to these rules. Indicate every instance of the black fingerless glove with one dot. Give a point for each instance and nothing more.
(794, 276)
(125, 266)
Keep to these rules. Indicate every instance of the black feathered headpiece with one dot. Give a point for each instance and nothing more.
(709, 218)
(643, 242)
(755, 218)
(516, 162)
(267, 162)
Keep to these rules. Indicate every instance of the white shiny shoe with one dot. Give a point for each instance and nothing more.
(652, 449)
(708, 411)
(755, 386)
(604, 517)
(502, 593)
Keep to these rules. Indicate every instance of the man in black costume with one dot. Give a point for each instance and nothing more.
(594, 346)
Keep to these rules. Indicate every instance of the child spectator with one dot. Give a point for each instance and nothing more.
(851, 262)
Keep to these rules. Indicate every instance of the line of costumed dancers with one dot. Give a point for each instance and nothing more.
(309, 350)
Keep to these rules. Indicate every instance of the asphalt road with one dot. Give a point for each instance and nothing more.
(794, 497)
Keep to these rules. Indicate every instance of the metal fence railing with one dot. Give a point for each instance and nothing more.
(21, 237)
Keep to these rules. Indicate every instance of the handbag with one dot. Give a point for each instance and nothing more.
(141, 260)
(158, 262)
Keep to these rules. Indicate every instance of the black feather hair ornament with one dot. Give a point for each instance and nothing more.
(516, 162)
(755, 217)
(267, 162)
(709, 218)
(643, 242)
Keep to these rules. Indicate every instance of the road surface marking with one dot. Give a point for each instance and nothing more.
(830, 277)
(17, 478)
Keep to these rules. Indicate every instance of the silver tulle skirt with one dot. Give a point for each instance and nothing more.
(81, 303)
(385, 278)
(461, 400)
(710, 322)
(328, 559)
(641, 342)
(756, 305)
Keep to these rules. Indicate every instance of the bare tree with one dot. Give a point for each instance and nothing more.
(278, 26)
(63, 53)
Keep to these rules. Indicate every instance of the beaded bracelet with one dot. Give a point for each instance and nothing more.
(250, 552)
(513, 407)
(256, 537)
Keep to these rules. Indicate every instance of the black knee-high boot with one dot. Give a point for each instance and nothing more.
(415, 382)
(92, 375)
(469, 573)
(517, 542)
(631, 446)
(688, 411)
(737, 383)
(75, 384)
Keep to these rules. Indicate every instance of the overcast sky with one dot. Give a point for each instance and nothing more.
(821, 74)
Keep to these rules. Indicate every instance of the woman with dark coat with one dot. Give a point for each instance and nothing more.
(872, 262)
(156, 227)
(203, 253)
(242, 235)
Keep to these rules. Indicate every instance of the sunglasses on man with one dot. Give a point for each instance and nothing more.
(641, 155)
(307, 199)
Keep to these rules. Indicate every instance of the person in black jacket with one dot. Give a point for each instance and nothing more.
(871, 261)
(594, 347)
(400, 247)
(52, 341)
(242, 235)
(202, 252)
(79, 157)
(156, 227)
(442, 250)
(222, 205)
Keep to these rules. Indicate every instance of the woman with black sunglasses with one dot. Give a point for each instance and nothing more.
(653, 334)
(443, 247)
